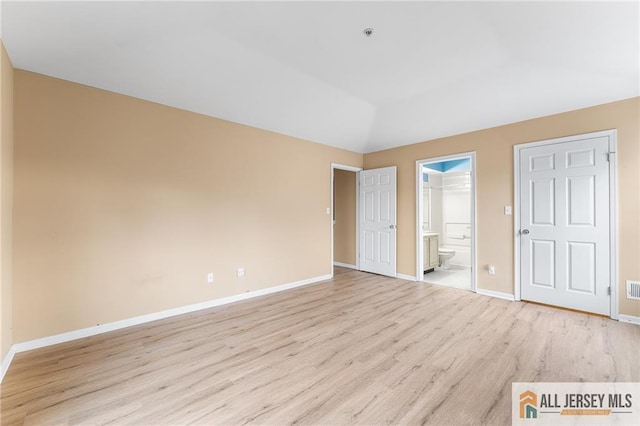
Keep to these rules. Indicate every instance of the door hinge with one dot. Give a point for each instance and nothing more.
(609, 291)
(609, 154)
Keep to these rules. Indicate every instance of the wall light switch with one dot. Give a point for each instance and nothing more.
(210, 277)
(328, 210)
(240, 273)
(492, 269)
(507, 210)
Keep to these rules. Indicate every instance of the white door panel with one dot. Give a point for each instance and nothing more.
(543, 255)
(565, 224)
(378, 221)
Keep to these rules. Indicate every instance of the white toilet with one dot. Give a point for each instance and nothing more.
(445, 255)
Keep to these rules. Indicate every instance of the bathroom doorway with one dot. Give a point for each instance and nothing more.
(446, 221)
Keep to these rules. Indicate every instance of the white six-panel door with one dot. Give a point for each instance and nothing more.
(565, 224)
(377, 214)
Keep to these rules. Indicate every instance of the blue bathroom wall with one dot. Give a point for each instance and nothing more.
(462, 165)
(457, 165)
(437, 167)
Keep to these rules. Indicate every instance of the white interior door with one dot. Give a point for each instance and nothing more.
(377, 214)
(565, 224)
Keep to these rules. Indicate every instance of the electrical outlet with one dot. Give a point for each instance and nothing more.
(210, 277)
(492, 269)
(240, 273)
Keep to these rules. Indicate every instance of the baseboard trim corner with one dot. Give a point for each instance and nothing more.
(142, 319)
(496, 294)
(6, 362)
(344, 265)
(406, 277)
(629, 318)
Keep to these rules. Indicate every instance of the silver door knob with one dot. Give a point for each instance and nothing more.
(524, 231)
(392, 226)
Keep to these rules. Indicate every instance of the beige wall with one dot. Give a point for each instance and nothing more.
(123, 206)
(6, 200)
(494, 161)
(344, 230)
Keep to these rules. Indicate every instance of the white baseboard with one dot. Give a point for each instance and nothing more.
(406, 277)
(497, 294)
(629, 318)
(6, 362)
(116, 325)
(344, 265)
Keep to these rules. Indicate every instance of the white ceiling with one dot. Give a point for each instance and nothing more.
(305, 69)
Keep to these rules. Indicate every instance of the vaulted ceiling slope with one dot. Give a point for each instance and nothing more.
(430, 69)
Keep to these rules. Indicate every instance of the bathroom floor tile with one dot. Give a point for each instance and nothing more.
(458, 277)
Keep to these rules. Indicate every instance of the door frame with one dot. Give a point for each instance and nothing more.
(356, 170)
(419, 206)
(613, 209)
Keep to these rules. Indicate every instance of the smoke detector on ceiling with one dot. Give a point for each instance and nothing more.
(367, 32)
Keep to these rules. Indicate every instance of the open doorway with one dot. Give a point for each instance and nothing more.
(344, 216)
(445, 226)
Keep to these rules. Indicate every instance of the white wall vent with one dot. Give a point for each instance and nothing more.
(633, 290)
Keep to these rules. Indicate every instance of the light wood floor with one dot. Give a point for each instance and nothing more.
(360, 349)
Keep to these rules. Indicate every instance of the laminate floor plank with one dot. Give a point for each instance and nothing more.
(357, 349)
